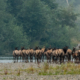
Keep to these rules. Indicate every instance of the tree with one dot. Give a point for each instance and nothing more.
(11, 35)
(33, 18)
(43, 21)
(14, 6)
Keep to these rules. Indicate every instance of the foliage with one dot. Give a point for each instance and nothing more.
(31, 23)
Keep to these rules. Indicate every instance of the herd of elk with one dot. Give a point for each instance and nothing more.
(51, 54)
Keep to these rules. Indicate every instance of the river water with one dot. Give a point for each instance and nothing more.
(10, 60)
(6, 59)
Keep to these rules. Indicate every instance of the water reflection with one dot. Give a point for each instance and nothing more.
(6, 59)
(10, 60)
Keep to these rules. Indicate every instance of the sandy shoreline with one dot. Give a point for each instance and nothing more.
(10, 71)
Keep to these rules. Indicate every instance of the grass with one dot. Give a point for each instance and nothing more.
(64, 69)
(18, 72)
(31, 70)
(46, 69)
(5, 72)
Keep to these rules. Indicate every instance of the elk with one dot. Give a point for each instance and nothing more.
(16, 54)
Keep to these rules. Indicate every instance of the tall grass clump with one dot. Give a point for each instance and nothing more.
(18, 72)
(6, 72)
(45, 70)
(45, 67)
(30, 69)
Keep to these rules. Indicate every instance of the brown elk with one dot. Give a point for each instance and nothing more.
(42, 53)
(61, 55)
(37, 53)
(55, 55)
(31, 53)
(24, 54)
(16, 54)
(48, 54)
(76, 54)
(68, 54)
(27, 53)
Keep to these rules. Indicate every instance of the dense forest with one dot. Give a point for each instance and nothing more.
(31, 23)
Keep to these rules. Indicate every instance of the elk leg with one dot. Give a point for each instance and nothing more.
(50, 59)
(47, 59)
(30, 57)
(79, 58)
(17, 58)
(43, 58)
(60, 59)
(26, 58)
(40, 58)
(56, 59)
(53, 59)
(14, 58)
(63, 59)
(20, 58)
(69, 57)
(37, 59)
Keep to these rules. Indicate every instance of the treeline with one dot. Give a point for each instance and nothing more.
(31, 23)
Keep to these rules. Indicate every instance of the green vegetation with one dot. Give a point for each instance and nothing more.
(63, 69)
(46, 69)
(31, 23)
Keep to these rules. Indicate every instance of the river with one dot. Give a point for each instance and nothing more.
(10, 60)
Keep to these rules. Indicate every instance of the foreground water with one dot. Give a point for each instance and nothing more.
(10, 60)
(6, 59)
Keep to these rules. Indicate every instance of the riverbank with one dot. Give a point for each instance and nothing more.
(33, 71)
